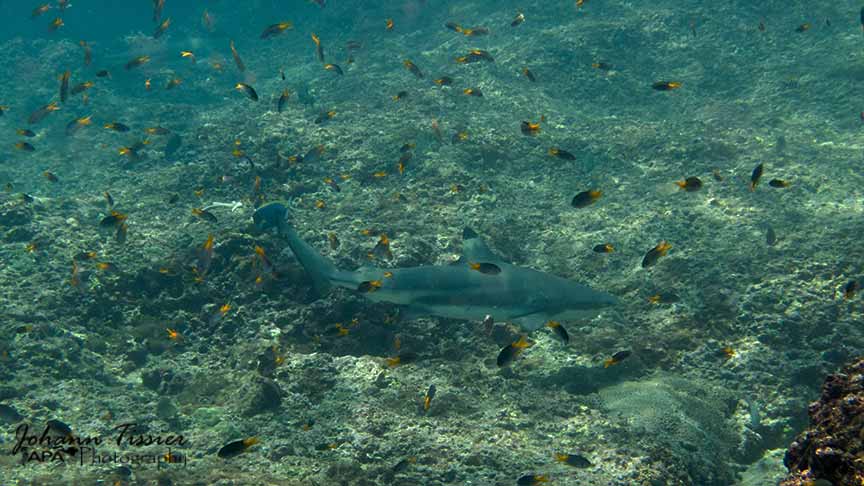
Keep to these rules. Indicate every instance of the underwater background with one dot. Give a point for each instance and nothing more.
(700, 161)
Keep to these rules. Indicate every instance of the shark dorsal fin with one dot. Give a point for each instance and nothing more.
(474, 249)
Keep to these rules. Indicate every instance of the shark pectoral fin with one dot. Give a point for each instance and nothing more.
(534, 318)
(531, 322)
(474, 249)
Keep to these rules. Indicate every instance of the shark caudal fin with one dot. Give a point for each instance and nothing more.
(322, 271)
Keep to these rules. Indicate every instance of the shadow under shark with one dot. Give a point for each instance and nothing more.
(521, 295)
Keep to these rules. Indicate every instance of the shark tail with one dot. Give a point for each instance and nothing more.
(324, 274)
(322, 271)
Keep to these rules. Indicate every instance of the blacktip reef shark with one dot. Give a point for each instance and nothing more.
(521, 295)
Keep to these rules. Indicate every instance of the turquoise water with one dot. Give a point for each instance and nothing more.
(582, 318)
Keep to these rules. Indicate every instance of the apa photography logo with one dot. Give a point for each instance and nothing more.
(55, 443)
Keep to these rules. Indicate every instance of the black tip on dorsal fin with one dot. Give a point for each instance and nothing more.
(468, 234)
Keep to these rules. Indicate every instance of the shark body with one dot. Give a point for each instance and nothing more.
(521, 295)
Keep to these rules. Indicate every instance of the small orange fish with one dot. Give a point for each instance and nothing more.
(136, 62)
(409, 65)
(276, 29)
(56, 24)
(655, 253)
(666, 85)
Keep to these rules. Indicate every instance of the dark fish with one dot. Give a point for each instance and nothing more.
(520, 17)
(205, 215)
(64, 86)
(690, 184)
(511, 351)
(236, 447)
(103, 74)
(486, 268)
(409, 65)
(332, 183)
(528, 128)
(25, 133)
(559, 331)
(50, 176)
(117, 127)
(575, 460)
(59, 427)
(770, 236)
(276, 29)
(475, 32)
(369, 286)
(443, 81)
(778, 183)
(528, 74)
(41, 113)
(158, 5)
(81, 87)
(136, 62)
(26, 147)
(382, 248)
(427, 400)
(120, 233)
(475, 55)
(755, 176)
(77, 124)
(335, 68)
(109, 199)
(162, 28)
(616, 358)
(85, 255)
(453, 26)
(249, 90)
(157, 130)
(586, 198)
(113, 219)
(319, 47)
(655, 253)
(313, 155)
(531, 480)
(237, 60)
(561, 154)
(604, 248)
(401, 359)
(333, 240)
(283, 100)
(38, 11)
(324, 116)
(56, 24)
(473, 92)
(666, 85)
(850, 289)
(601, 65)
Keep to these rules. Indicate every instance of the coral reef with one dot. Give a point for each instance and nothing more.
(832, 448)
